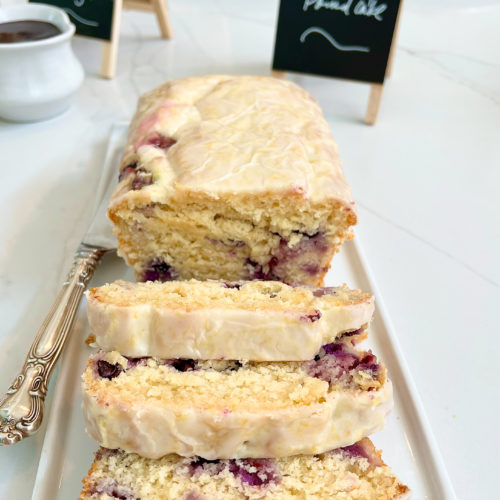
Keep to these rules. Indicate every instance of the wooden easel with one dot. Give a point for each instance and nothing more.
(110, 49)
(376, 89)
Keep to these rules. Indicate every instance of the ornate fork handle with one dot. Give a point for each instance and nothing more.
(21, 409)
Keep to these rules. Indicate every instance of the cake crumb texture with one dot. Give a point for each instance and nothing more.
(235, 409)
(352, 473)
(249, 295)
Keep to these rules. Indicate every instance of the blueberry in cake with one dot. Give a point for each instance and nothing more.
(253, 320)
(231, 177)
(355, 472)
(235, 409)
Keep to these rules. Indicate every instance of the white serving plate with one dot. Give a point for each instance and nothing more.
(407, 441)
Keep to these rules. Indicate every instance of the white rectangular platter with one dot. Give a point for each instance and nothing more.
(407, 441)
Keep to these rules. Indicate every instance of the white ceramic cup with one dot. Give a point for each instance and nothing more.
(38, 79)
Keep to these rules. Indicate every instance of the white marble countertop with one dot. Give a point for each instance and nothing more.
(425, 179)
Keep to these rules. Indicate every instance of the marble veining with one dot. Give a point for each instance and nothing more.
(432, 245)
(456, 67)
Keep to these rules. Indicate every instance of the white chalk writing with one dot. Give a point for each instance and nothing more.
(337, 45)
(368, 8)
(81, 19)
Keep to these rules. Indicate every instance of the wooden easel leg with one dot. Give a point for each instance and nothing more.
(374, 103)
(140, 5)
(388, 69)
(108, 59)
(110, 49)
(160, 7)
(276, 73)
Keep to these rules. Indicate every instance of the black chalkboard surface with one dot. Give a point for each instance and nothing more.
(344, 39)
(91, 17)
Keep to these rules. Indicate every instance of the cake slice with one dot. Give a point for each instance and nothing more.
(231, 177)
(255, 320)
(355, 472)
(229, 409)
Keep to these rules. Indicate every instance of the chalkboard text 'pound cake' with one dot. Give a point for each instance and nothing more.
(233, 178)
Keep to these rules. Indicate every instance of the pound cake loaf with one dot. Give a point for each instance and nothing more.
(253, 320)
(231, 409)
(231, 177)
(355, 472)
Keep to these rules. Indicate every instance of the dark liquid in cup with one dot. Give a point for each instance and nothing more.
(27, 31)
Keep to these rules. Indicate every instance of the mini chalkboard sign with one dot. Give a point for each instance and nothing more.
(349, 39)
(91, 17)
(101, 19)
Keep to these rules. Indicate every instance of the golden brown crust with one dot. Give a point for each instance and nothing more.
(90, 339)
(87, 481)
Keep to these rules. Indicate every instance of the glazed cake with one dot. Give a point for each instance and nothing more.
(355, 472)
(230, 409)
(230, 177)
(254, 320)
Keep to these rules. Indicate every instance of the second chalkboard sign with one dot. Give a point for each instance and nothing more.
(344, 39)
(92, 18)
(101, 19)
